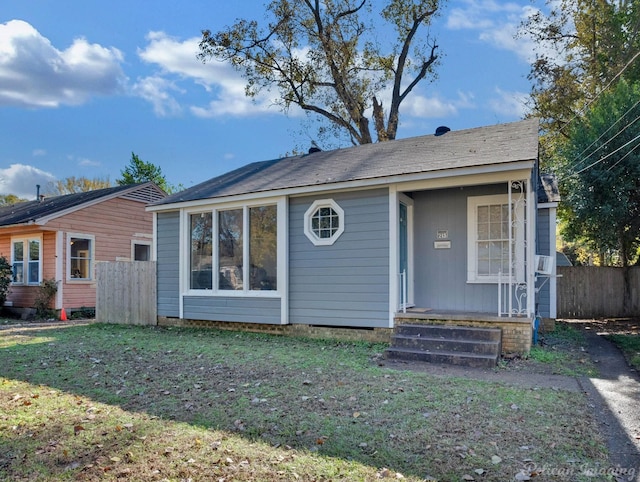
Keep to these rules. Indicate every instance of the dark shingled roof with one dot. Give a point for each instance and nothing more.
(483, 146)
(32, 211)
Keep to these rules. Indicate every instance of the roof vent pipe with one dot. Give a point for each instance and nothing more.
(314, 148)
(38, 192)
(442, 130)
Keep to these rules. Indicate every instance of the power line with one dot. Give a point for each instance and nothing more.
(609, 155)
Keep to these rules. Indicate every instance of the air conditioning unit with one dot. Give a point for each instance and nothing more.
(544, 264)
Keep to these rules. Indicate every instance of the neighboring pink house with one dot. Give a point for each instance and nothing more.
(63, 237)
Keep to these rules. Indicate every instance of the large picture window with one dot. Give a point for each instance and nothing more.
(494, 245)
(80, 251)
(26, 260)
(234, 249)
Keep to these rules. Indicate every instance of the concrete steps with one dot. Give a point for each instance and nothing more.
(446, 344)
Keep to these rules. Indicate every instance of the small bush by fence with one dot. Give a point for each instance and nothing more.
(597, 292)
(126, 292)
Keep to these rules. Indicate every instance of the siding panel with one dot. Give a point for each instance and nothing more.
(233, 309)
(543, 307)
(168, 264)
(347, 283)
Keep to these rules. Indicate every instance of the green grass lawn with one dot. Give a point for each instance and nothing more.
(108, 402)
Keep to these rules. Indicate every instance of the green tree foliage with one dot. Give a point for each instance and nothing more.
(333, 58)
(74, 184)
(599, 169)
(5, 279)
(582, 46)
(9, 199)
(139, 171)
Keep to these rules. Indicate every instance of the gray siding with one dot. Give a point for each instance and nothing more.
(233, 309)
(441, 274)
(543, 307)
(168, 264)
(347, 283)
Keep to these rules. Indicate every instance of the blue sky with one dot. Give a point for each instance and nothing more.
(85, 83)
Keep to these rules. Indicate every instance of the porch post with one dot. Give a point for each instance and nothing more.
(394, 287)
(531, 247)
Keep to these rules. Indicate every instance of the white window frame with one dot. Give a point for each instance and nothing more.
(92, 257)
(135, 242)
(25, 261)
(472, 234)
(282, 265)
(309, 214)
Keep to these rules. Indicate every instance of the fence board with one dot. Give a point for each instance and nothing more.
(126, 292)
(597, 292)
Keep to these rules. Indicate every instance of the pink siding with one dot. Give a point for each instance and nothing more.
(114, 224)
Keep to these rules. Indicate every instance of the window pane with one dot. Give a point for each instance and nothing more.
(201, 251)
(263, 247)
(141, 252)
(18, 251)
(230, 262)
(18, 272)
(34, 262)
(325, 222)
(493, 239)
(81, 258)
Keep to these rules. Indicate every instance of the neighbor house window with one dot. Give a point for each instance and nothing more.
(81, 260)
(494, 232)
(141, 251)
(324, 222)
(239, 252)
(26, 260)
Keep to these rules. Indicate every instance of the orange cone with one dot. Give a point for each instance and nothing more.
(63, 315)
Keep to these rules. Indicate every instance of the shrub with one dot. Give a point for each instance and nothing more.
(6, 275)
(48, 290)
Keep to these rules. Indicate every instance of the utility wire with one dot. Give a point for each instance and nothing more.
(609, 155)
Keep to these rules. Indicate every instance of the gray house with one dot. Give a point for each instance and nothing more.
(449, 228)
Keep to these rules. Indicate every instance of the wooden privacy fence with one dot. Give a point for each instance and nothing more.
(126, 292)
(597, 292)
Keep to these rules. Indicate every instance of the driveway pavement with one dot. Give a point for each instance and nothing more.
(615, 395)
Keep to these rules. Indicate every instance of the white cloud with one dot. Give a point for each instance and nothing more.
(39, 152)
(21, 180)
(420, 106)
(509, 104)
(156, 90)
(496, 23)
(33, 73)
(178, 58)
(88, 163)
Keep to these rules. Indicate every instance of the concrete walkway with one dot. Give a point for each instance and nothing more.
(615, 394)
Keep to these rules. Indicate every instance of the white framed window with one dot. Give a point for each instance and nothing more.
(235, 249)
(495, 245)
(80, 257)
(141, 250)
(324, 222)
(26, 260)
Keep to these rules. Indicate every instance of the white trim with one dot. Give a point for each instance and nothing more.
(59, 268)
(424, 180)
(92, 258)
(472, 234)
(310, 213)
(553, 279)
(407, 201)
(154, 237)
(394, 282)
(531, 220)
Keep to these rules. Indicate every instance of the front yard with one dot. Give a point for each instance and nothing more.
(102, 402)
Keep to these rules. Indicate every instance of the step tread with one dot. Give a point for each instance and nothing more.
(456, 340)
(441, 352)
